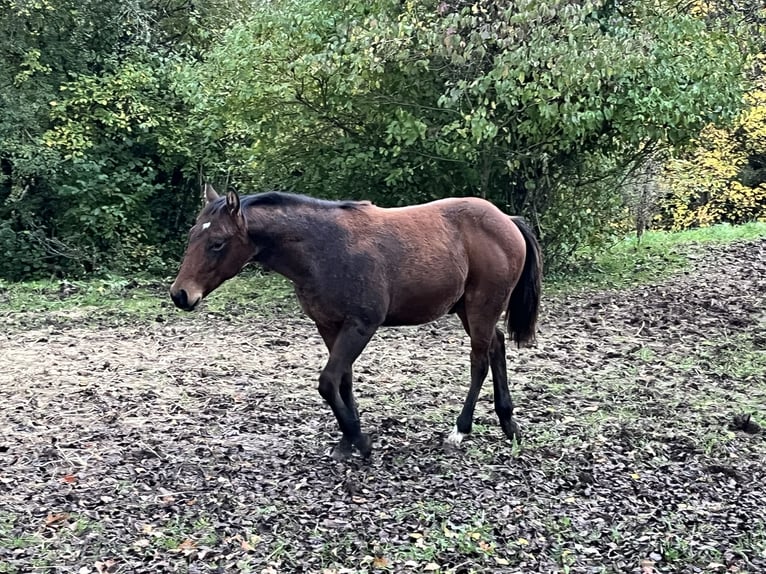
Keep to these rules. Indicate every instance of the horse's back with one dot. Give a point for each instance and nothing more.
(429, 253)
(471, 227)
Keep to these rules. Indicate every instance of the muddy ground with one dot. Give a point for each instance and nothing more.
(198, 443)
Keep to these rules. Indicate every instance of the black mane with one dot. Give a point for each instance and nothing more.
(284, 199)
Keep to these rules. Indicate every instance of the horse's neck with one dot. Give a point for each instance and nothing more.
(284, 243)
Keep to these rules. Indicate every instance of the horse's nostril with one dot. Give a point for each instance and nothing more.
(180, 298)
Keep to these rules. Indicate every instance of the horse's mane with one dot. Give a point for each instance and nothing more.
(284, 199)
(281, 198)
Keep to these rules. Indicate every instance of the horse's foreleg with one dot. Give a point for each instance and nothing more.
(335, 384)
(503, 401)
(343, 448)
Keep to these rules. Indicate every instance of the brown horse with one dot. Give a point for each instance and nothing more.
(356, 267)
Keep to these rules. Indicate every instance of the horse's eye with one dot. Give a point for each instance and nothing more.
(217, 245)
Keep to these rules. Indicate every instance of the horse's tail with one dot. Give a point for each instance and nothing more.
(521, 316)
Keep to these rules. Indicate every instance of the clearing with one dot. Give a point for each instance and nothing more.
(198, 443)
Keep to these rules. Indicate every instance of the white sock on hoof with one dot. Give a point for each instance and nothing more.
(455, 437)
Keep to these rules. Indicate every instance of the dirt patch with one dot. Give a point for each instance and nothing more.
(198, 443)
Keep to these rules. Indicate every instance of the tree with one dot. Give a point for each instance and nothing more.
(540, 107)
(723, 177)
(90, 171)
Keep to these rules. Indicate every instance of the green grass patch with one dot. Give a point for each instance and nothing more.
(628, 262)
(656, 255)
(142, 296)
(49, 539)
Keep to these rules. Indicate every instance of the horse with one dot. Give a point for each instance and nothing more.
(356, 267)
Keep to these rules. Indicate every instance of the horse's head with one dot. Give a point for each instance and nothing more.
(219, 246)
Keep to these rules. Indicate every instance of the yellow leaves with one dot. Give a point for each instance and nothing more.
(29, 66)
(707, 187)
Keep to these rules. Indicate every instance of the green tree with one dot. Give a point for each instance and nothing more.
(93, 173)
(541, 107)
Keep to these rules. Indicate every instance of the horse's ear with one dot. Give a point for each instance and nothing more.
(232, 203)
(210, 193)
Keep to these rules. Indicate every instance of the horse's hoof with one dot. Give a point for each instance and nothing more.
(454, 438)
(340, 454)
(364, 444)
(512, 431)
(342, 450)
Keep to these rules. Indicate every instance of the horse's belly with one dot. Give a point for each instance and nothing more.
(421, 303)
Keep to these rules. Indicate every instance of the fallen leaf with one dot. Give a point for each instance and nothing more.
(250, 544)
(380, 562)
(106, 567)
(52, 519)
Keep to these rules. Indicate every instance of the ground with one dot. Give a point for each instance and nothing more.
(198, 443)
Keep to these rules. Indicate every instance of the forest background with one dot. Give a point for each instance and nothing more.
(591, 118)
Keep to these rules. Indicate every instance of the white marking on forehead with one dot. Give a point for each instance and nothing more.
(205, 225)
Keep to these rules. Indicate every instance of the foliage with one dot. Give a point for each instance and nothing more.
(540, 107)
(724, 178)
(115, 112)
(91, 177)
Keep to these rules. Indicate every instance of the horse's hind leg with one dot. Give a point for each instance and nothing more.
(503, 401)
(481, 332)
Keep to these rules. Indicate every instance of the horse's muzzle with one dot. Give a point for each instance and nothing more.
(181, 300)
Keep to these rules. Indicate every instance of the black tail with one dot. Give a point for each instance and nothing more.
(521, 317)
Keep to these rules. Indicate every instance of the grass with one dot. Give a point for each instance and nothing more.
(63, 536)
(656, 255)
(429, 544)
(142, 297)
